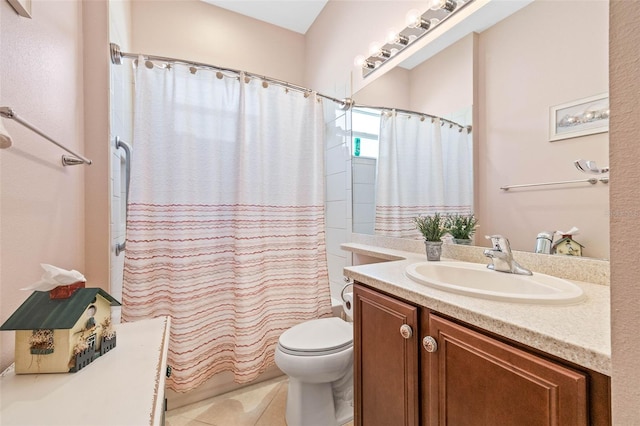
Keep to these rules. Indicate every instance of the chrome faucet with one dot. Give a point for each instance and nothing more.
(502, 257)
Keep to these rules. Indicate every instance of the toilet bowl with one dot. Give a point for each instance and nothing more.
(317, 356)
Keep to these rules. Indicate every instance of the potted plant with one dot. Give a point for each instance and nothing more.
(432, 229)
(461, 227)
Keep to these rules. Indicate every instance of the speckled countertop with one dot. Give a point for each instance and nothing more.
(578, 333)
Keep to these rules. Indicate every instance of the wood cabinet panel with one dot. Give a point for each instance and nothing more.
(386, 363)
(473, 379)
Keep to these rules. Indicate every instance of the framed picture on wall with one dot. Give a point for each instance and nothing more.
(579, 118)
(23, 7)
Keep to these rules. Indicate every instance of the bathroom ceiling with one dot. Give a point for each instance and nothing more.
(294, 15)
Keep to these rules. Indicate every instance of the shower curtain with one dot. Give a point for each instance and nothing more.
(423, 168)
(226, 218)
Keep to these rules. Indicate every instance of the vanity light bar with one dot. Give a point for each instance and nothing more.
(418, 25)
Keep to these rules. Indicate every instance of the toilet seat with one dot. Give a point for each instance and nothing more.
(322, 336)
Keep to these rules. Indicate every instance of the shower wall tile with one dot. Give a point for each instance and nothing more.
(335, 160)
(335, 214)
(338, 200)
(336, 274)
(115, 175)
(332, 137)
(331, 112)
(364, 170)
(335, 187)
(364, 193)
(335, 238)
(121, 98)
(363, 213)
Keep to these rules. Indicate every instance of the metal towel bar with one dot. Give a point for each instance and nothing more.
(592, 181)
(7, 112)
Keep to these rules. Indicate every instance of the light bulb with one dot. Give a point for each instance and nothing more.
(413, 18)
(374, 48)
(393, 37)
(448, 5)
(362, 62)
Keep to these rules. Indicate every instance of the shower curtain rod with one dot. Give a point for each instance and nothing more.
(345, 104)
(117, 55)
(422, 114)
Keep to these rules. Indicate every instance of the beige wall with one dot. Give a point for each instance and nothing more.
(42, 212)
(524, 68)
(390, 90)
(197, 31)
(441, 85)
(95, 36)
(625, 210)
(343, 31)
(444, 84)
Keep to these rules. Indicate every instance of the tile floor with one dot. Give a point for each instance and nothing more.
(262, 404)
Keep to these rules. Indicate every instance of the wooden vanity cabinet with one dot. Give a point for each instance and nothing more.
(470, 378)
(475, 379)
(386, 375)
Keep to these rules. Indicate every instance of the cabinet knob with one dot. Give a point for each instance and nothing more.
(430, 344)
(406, 331)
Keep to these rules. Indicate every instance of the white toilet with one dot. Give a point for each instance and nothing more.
(317, 356)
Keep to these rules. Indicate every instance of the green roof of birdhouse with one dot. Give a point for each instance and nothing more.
(40, 311)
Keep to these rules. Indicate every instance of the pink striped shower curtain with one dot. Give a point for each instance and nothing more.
(225, 227)
(423, 168)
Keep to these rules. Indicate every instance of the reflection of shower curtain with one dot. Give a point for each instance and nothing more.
(226, 219)
(423, 168)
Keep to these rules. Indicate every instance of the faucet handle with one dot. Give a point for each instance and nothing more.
(499, 242)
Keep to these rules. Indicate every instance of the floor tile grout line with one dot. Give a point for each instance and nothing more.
(205, 404)
(277, 390)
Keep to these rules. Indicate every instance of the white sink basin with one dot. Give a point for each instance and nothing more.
(473, 279)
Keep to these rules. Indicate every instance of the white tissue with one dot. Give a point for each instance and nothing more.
(347, 304)
(5, 139)
(572, 231)
(54, 277)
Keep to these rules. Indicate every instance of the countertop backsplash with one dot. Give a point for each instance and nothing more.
(585, 269)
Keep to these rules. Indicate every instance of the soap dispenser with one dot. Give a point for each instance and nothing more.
(544, 242)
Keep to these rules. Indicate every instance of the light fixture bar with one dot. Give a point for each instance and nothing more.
(418, 25)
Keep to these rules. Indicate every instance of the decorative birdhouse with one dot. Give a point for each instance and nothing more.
(62, 330)
(568, 246)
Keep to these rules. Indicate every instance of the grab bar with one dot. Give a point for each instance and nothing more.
(127, 164)
(8, 112)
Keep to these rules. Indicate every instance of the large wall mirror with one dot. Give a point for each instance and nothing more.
(506, 81)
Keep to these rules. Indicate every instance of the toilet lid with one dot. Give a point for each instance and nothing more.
(321, 335)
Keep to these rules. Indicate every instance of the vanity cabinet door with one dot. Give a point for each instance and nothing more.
(385, 360)
(473, 379)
